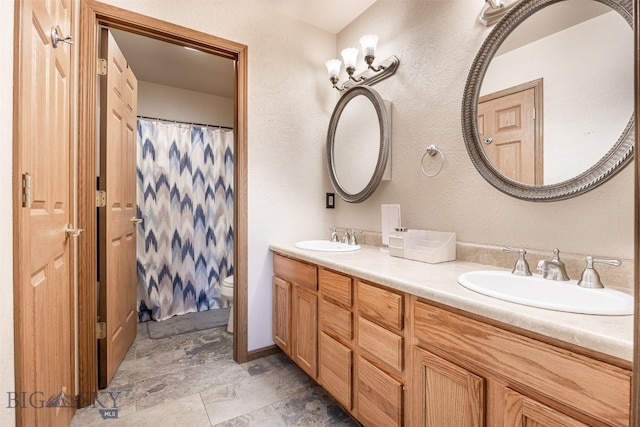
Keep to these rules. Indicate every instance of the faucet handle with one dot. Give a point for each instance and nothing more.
(590, 277)
(521, 267)
(334, 234)
(352, 238)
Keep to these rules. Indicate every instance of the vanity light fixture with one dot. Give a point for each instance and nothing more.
(494, 10)
(350, 57)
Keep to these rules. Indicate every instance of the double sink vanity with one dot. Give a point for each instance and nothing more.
(398, 342)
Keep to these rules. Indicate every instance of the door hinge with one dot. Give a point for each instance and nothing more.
(26, 190)
(102, 66)
(101, 330)
(101, 198)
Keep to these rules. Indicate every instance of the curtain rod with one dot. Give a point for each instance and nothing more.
(185, 123)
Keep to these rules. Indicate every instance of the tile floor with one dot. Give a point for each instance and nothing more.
(192, 380)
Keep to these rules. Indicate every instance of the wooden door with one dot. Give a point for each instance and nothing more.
(117, 220)
(445, 394)
(43, 209)
(507, 128)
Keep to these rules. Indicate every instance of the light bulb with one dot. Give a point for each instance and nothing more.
(369, 43)
(333, 67)
(350, 56)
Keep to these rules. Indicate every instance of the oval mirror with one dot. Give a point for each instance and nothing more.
(358, 142)
(547, 105)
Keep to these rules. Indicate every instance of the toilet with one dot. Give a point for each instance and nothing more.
(227, 292)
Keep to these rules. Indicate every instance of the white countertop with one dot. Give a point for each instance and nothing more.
(611, 335)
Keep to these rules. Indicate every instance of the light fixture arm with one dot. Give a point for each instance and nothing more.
(369, 77)
(369, 60)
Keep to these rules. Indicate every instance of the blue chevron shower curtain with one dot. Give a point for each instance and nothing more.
(185, 198)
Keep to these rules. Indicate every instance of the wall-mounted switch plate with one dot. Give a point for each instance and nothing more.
(331, 200)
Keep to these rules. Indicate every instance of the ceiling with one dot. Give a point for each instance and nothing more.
(172, 65)
(330, 15)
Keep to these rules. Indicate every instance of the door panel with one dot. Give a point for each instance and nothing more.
(509, 123)
(43, 261)
(117, 233)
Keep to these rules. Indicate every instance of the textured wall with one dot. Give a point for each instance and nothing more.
(436, 42)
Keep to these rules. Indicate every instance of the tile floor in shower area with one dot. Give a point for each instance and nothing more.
(192, 380)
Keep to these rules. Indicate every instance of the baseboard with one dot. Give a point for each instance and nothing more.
(262, 352)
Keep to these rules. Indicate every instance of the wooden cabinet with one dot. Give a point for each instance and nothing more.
(380, 361)
(393, 359)
(445, 394)
(282, 314)
(522, 411)
(527, 382)
(295, 311)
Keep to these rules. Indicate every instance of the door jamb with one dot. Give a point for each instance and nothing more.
(92, 15)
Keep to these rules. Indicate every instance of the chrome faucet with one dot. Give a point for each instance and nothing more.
(334, 234)
(522, 266)
(553, 269)
(345, 236)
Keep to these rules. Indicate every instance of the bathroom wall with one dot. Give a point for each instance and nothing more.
(436, 42)
(7, 384)
(167, 102)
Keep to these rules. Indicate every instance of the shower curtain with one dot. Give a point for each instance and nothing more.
(185, 198)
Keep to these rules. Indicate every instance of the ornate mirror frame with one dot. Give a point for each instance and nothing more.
(611, 163)
(384, 123)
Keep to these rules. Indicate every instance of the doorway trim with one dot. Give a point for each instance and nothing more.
(94, 14)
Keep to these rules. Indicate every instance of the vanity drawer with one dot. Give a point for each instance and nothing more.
(602, 391)
(296, 272)
(336, 369)
(336, 287)
(380, 397)
(336, 320)
(381, 306)
(381, 343)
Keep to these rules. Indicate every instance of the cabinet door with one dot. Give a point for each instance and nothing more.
(380, 397)
(335, 369)
(522, 411)
(305, 330)
(445, 394)
(282, 314)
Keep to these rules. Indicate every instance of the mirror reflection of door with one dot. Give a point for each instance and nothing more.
(510, 125)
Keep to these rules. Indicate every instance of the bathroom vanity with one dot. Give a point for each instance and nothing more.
(399, 343)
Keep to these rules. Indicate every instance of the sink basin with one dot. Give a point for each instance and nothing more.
(549, 294)
(326, 246)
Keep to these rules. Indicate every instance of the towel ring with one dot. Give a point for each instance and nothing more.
(432, 150)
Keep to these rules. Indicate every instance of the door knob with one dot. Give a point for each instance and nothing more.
(136, 220)
(56, 38)
(488, 140)
(72, 232)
